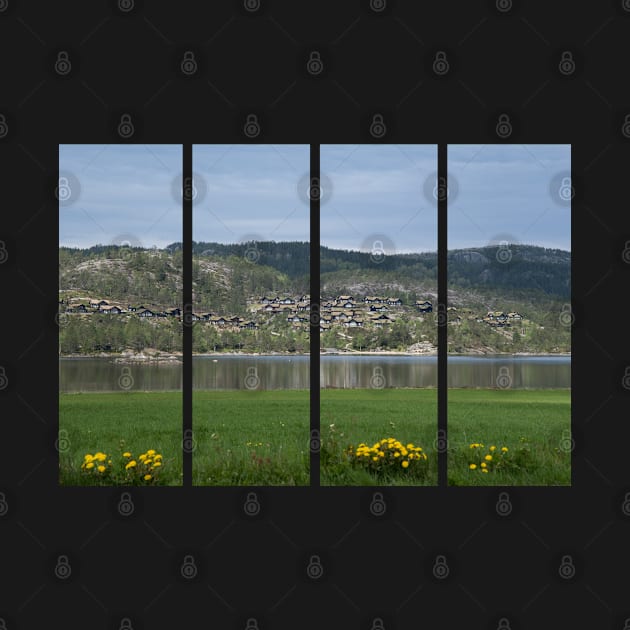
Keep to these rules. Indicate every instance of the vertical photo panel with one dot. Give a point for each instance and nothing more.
(120, 329)
(378, 291)
(251, 307)
(509, 315)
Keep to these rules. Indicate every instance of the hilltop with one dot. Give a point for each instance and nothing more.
(229, 282)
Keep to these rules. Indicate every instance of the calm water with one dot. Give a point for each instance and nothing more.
(282, 372)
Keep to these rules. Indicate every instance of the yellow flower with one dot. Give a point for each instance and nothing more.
(381, 454)
(131, 464)
(472, 466)
(101, 457)
(127, 454)
(157, 456)
(484, 470)
(147, 462)
(493, 448)
(396, 454)
(142, 457)
(90, 465)
(375, 459)
(150, 452)
(101, 468)
(484, 465)
(157, 464)
(410, 446)
(504, 449)
(488, 458)
(88, 457)
(147, 477)
(404, 463)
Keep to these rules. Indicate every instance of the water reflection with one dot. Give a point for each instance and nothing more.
(336, 371)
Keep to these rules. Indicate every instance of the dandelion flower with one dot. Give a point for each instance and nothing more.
(126, 454)
(142, 457)
(90, 465)
(374, 459)
(488, 458)
(404, 463)
(484, 465)
(101, 468)
(131, 464)
(493, 448)
(147, 477)
(150, 452)
(472, 466)
(156, 464)
(504, 449)
(396, 454)
(484, 470)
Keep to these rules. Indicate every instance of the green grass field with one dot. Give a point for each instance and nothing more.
(252, 438)
(535, 425)
(262, 437)
(100, 421)
(369, 415)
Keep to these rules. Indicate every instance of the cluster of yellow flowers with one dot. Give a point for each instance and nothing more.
(492, 460)
(387, 454)
(97, 464)
(145, 469)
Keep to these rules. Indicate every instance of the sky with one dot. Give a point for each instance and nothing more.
(120, 194)
(508, 193)
(251, 192)
(378, 200)
(373, 196)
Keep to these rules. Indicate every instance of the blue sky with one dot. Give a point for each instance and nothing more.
(371, 193)
(125, 191)
(256, 192)
(505, 194)
(378, 195)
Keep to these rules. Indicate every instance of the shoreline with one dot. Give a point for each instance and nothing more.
(176, 357)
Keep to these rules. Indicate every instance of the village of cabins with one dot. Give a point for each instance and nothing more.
(344, 310)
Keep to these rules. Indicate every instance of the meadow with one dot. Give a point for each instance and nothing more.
(116, 423)
(259, 438)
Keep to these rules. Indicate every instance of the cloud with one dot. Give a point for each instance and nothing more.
(376, 189)
(124, 189)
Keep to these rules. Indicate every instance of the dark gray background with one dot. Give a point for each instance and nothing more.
(255, 62)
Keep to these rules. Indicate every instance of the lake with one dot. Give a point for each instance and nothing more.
(336, 371)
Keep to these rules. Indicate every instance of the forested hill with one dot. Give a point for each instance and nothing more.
(515, 269)
(132, 274)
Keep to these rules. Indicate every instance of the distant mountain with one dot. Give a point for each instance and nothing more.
(515, 272)
(512, 268)
(533, 281)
